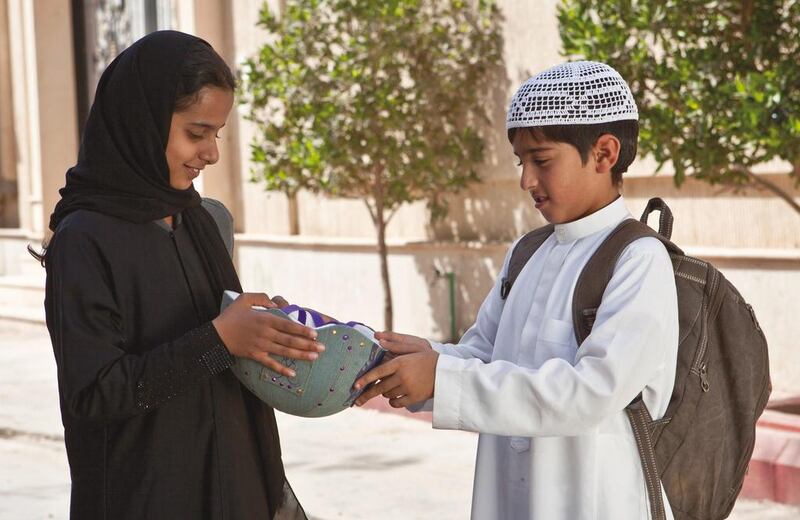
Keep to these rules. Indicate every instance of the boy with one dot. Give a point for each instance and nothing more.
(555, 441)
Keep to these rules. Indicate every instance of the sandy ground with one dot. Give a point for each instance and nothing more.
(360, 464)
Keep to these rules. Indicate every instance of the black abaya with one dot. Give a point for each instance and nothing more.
(156, 426)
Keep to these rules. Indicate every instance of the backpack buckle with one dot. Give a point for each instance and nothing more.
(505, 288)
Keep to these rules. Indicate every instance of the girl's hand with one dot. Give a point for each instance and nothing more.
(257, 335)
(280, 301)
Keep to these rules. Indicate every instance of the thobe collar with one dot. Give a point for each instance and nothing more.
(601, 219)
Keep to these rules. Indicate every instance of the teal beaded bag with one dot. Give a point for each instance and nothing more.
(321, 387)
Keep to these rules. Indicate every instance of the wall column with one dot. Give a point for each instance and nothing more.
(9, 209)
(44, 105)
(212, 21)
(57, 99)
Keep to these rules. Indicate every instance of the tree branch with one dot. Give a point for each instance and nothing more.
(768, 185)
(391, 214)
(371, 210)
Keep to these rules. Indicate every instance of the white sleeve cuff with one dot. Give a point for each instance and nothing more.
(447, 349)
(447, 393)
(438, 347)
(422, 406)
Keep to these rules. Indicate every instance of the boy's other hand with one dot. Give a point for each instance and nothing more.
(399, 344)
(279, 301)
(405, 380)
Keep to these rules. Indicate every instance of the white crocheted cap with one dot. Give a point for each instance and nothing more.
(574, 93)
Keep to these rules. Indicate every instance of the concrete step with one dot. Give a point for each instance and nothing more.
(14, 256)
(22, 290)
(12, 314)
(22, 298)
(774, 472)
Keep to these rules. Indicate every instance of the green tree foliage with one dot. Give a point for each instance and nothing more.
(717, 82)
(381, 101)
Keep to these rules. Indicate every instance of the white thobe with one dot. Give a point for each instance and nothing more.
(555, 441)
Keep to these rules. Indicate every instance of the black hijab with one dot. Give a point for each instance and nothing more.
(122, 167)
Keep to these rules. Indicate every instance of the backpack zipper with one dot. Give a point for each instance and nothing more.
(704, 378)
(699, 367)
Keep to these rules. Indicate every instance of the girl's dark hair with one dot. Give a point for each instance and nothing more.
(584, 137)
(40, 257)
(202, 67)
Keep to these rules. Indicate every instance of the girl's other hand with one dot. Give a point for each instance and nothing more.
(258, 335)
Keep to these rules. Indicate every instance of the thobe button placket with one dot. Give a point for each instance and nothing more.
(553, 263)
(520, 444)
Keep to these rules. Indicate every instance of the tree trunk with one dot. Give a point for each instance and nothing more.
(379, 218)
(388, 318)
(294, 214)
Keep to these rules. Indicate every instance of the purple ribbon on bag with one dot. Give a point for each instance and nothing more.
(303, 314)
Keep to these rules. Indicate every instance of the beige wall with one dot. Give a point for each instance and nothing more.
(333, 264)
(213, 21)
(261, 212)
(58, 117)
(44, 104)
(9, 210)
(496, 209)
(341, 277)
(528, 25)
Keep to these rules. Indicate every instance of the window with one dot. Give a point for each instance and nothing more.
(103, 28)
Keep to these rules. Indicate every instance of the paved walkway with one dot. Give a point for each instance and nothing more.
(360, 464)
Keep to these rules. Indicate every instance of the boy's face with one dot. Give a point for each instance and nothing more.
(562, 187)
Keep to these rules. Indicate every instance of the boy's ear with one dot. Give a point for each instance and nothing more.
(606, 153)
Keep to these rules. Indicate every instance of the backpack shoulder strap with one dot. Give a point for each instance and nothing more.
(598, 270)
(586, 300)
(523, 252)
(224, 220)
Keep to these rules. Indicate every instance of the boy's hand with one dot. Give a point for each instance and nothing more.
(279, 301)
(404, 380)
(399, 344)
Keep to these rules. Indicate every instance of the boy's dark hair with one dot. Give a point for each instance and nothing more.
(202, 67)
(583, 137)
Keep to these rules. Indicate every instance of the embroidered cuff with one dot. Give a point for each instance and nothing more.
(215, 357)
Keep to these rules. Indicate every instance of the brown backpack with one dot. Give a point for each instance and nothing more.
(700, 449)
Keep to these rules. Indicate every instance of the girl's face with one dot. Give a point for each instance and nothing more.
(193, 134)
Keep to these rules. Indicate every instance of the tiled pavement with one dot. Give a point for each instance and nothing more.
(360, 464)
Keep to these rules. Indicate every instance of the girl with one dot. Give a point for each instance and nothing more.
(155, 424)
